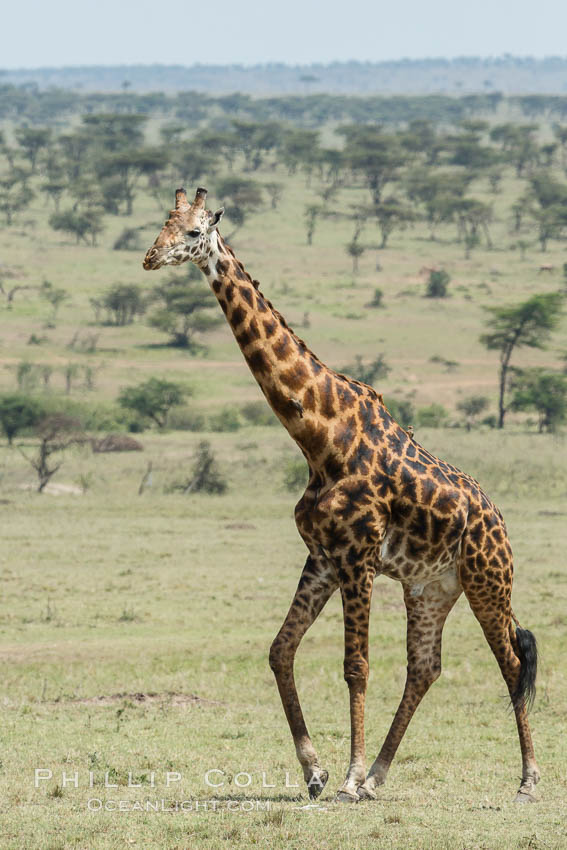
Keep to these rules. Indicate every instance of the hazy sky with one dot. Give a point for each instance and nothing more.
(112, 32)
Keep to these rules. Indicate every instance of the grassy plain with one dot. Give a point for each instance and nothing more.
(135, 629)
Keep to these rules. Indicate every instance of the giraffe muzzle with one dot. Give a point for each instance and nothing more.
(152, 260)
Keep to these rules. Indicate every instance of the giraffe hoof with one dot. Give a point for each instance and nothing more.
(524, 797)
(317, 783)
(365, 793)
(346, 797)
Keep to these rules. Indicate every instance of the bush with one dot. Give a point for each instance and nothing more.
(185, 419)
(296, 475)
(368, 373)
(437, 284)
(205, 476)
(432, 416)
(258, 413)
(129, 240)
(92, 417)
(490, 421)
(226, 419)
(377, 299)
(471, 407)
(34, 339)
(136, 426)
(402, 410)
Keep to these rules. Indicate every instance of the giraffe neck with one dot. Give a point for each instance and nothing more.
(304, 394)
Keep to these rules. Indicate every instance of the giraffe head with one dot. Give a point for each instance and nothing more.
(186, 235)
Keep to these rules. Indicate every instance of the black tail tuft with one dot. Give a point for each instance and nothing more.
(525, 690)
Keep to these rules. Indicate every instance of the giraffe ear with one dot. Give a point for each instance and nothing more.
(215, 219)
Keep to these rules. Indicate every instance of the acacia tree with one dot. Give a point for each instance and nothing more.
(436, 192)
(74, 148)
(518, 144)
(120, 172)
(56, 433)
(193, 161)
(115, 131)
(14, 194)
(472, 216)
(312, 212)
(548, 207)
(185, 312)
(123, 303)
(153, 399)
(525, 325)
(18, 412)
(255, 139)
(542, 391)
(274, 190)
(32, 140)
(9, 292)
(354, 248)
(54, 190)
(392, 215)
(299, 148)
(243, 196)
(79, 224)
(54, 296)
(560, 133)
(377, 156)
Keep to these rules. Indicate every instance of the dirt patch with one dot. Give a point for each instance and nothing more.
(150, 698)
(56, 489)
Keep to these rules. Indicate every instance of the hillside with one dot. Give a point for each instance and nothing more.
(507, 74)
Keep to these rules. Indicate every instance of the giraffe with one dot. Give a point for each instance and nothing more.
(376, 503)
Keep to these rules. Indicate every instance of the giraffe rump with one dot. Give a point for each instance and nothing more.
(525, 690)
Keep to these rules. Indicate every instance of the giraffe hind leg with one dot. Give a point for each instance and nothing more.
(488, 587)
(426, 615)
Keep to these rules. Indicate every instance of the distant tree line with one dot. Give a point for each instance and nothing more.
(28, 103)
(413, 167)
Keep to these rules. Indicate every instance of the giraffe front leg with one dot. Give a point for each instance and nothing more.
(356, 596)
(317, 584)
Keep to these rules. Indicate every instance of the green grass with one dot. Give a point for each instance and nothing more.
(110, 594)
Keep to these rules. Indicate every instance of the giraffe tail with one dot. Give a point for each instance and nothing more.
(526, 650)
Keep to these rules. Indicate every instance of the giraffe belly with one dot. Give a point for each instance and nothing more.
(402, 560)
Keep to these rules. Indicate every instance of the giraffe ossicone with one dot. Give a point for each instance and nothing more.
(377, 503)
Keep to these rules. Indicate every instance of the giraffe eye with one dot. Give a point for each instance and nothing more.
(193, 233)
